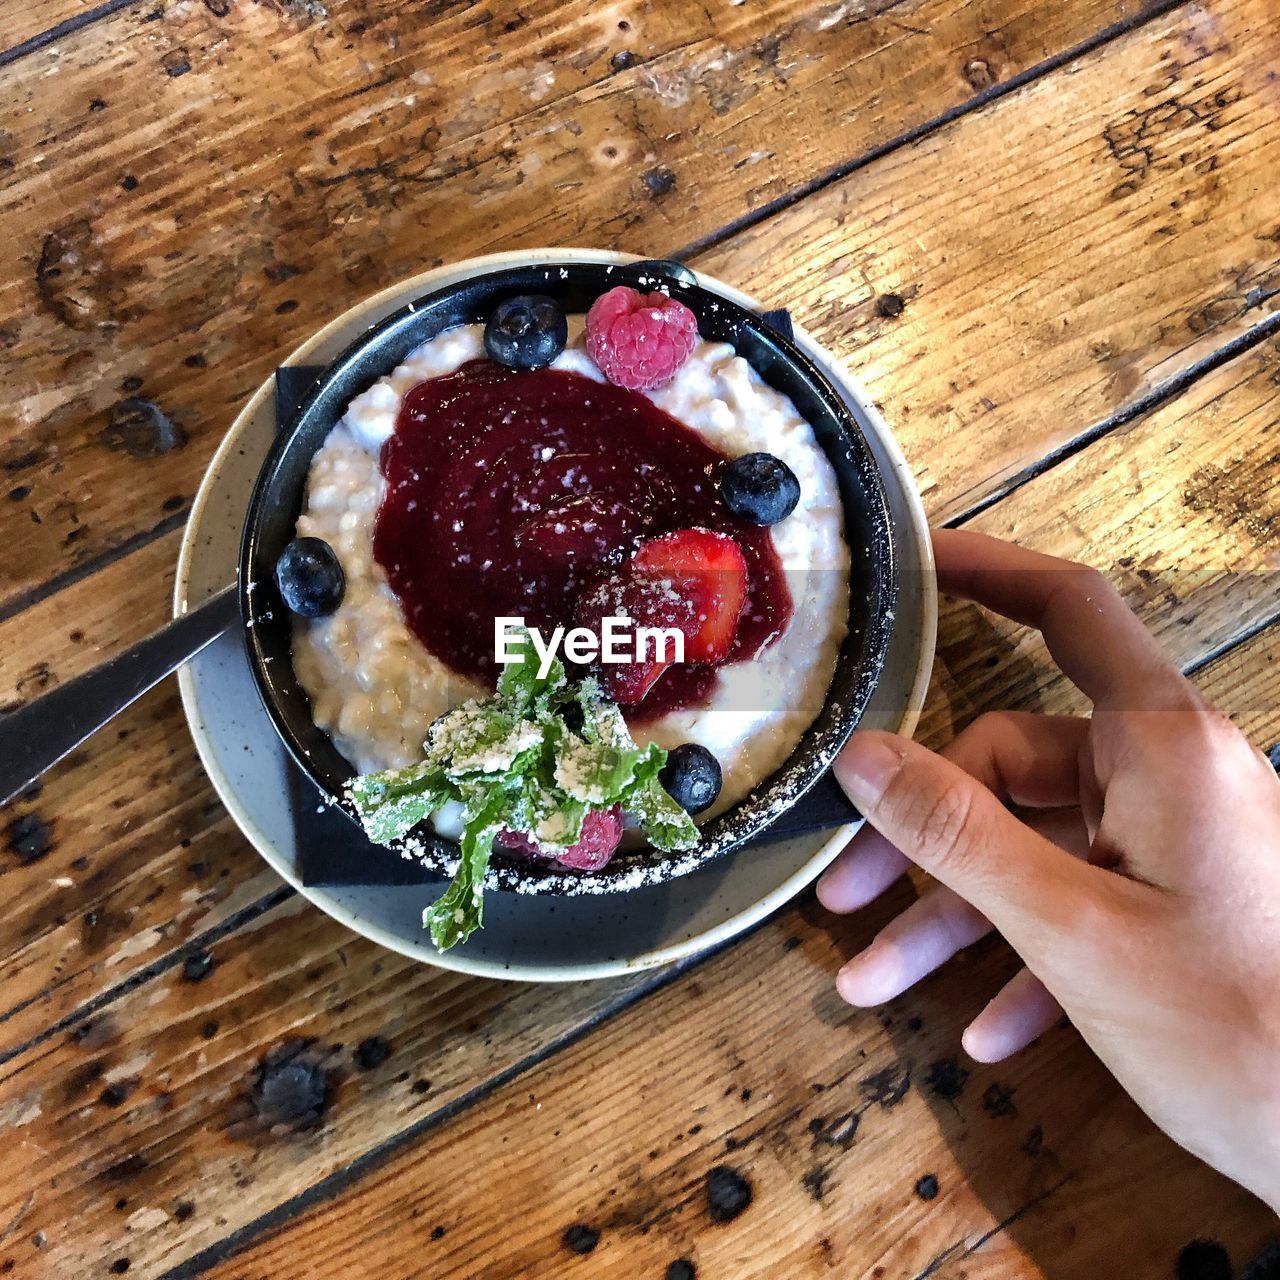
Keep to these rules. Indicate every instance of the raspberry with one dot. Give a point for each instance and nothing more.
(639, 340)
(601, 831)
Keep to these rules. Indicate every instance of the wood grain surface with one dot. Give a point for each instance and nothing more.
(40, 25)
(277, 972)
(1180, 507)
(837, 1121)
(1012, 240)
(131, 307)
(870, 1148)
(1044, 239)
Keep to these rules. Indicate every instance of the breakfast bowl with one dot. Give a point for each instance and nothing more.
(280, 495)
(536, 937)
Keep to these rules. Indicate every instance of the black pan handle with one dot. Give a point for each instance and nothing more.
(35, 737)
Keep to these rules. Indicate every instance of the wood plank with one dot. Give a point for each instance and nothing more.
(752, 1062)
(170, 247)
(1229, 418)
(28, 27)
(1181, 509)
(1048, 260)
(282, 1051)
(1032, 370)
(1245, 682)
(87, 623)
(124, 854)
(753, 1066)
(118, 860)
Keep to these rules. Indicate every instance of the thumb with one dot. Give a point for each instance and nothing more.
(956, 829)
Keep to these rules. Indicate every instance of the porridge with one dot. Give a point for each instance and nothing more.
(376, 688)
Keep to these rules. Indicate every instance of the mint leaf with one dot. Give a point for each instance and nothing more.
(595, 772)
(519, 684)
(665, 824)
(553, 819)
(601, 719)
(479, 738)
(391, 804)
(459, 911)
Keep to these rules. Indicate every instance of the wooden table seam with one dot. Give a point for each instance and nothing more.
(1242, 637)
(68, 27)
(963, 1248)
(69, 577)
(335, 1184)
(160, 965)
(1162, 393)
(983, 98)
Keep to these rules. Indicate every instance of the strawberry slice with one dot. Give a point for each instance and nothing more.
(709, 571)
(648, 603)
(692, 580)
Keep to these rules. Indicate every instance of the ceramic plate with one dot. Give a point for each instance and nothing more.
(524, 937)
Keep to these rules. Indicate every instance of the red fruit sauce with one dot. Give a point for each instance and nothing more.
(508, 492)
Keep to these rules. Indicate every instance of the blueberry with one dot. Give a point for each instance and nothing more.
(310, 578)
(526, 332)
(759, 488)
(657, 269)
(691, 777)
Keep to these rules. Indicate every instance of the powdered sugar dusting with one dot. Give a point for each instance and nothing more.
(375, 690)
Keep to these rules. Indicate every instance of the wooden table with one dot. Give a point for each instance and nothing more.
(1046, 237)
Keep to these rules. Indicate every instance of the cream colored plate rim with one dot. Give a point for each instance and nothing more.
(458, 961)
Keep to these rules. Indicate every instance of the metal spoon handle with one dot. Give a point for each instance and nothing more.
(35, 737)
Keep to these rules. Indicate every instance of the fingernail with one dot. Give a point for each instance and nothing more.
(866, 766)
(857, 980)
(847, 985)
(974, 1045)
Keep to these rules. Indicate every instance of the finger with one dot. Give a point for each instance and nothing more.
(957, 830)
(866, 867)
(1092, 634)
(1026, 759)
(923, 938)
(1021, 1011)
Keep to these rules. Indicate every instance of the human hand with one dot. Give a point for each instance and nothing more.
(1160, 937)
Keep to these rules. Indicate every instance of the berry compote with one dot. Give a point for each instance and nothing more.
(509, 492)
